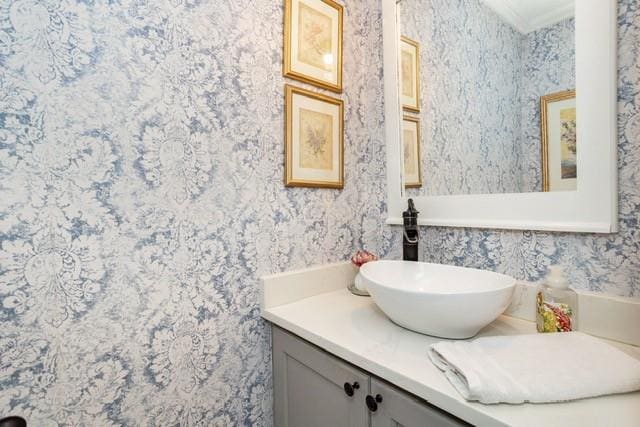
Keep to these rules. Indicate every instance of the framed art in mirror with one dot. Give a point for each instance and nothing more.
(313, 139)
(313, 42)
(410, 74)
(559, 142)
(585, 148)
(411, 143)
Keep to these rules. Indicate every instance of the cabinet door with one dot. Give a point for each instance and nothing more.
(399, 409)
(309, 386)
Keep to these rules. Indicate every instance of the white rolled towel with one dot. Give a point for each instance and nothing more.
(551, 367)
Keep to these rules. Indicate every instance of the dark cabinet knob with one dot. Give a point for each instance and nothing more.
(372, 402)
(351, 388)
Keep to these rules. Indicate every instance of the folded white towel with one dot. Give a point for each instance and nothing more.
(550, 367)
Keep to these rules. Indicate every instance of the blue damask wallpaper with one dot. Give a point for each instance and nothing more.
(603, 263)
(141, 197)
(141, 165)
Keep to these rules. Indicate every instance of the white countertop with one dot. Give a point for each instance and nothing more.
(354, 329)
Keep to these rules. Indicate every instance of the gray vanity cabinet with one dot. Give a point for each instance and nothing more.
(309, 386)
(312, 388)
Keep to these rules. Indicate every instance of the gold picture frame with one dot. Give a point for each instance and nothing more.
(313, 43)
(412, 164)
(314, 139)
(558, 141)
(410, 74)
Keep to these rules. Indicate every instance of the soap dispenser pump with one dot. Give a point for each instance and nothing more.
(411, 235)
(557, 304)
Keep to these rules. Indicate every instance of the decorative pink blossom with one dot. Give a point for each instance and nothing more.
(363, 257)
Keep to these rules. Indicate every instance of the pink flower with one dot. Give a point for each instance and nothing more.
(362, 257)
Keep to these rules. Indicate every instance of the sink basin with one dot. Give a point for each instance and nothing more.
(435, 299)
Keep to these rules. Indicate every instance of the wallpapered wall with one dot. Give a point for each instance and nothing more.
(481, 82)
(549, 64)
(141, 198)
(471, 70)
(609, 263)
(141, 165)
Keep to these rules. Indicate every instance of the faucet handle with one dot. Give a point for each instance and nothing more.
(411, 240)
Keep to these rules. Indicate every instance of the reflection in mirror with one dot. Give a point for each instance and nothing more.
(488, 95)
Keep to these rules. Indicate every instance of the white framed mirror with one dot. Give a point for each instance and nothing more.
(502, 113)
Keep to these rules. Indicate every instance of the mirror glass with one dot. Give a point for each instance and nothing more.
(488, 96)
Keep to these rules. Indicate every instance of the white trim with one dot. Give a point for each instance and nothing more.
(392, 106)
(508, 225)
(505, 10)
(593, 208)
(524, 24)
(552, 17)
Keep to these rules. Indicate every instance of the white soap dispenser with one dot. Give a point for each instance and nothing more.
(557, 304)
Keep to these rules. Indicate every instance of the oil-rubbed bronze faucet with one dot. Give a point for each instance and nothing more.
(411, 235)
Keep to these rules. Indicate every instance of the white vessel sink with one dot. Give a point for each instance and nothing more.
(436, 299)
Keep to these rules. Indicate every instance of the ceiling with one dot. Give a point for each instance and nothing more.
(530, 15)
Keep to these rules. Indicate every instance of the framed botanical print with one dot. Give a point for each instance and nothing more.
(411, 149)
(559, 141)
(314, 139)
(313, 42)
(410, 74)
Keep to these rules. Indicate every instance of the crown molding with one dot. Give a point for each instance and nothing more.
(526, 25)
(553, 17)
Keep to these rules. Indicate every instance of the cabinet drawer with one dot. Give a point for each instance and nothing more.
(397, 408)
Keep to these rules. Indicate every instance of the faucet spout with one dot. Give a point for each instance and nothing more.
(411, 234)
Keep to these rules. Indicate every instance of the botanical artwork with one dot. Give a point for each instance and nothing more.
(410, 74)
(411, 149)
(316, 140)
(313, 140)
(568, 143)
(409, 152)
(407, 77)
(313, 42)
(558, 141)
(314, 37)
